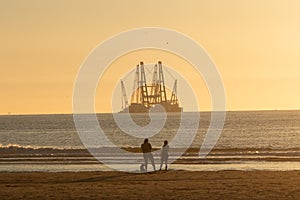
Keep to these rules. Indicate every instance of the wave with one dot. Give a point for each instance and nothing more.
(2, 146)
(16, 149)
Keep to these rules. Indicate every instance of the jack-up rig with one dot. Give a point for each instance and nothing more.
(147, 96)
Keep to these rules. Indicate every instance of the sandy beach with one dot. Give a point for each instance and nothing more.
(155, 185)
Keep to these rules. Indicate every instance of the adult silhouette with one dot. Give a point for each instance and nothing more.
(146, 149)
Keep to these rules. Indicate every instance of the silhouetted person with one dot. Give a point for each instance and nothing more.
(146, 149)
(164, 155)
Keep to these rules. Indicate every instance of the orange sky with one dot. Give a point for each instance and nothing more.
(255, 45)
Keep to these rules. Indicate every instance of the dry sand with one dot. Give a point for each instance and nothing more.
(156, 185)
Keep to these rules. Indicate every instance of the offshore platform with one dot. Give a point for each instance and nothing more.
(146, 96)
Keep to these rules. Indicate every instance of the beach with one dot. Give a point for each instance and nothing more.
(42, 157)
(153, 185)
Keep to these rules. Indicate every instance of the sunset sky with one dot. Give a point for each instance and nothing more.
(255, 45)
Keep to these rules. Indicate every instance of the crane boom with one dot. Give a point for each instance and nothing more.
(124, 99)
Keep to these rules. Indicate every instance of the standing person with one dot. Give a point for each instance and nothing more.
(146, 149)
(164, 155)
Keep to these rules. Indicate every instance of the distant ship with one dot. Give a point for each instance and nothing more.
(152, 95)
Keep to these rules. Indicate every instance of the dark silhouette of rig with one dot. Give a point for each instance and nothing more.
(151, 95)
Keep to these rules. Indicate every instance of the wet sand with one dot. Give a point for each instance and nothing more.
(155, 185)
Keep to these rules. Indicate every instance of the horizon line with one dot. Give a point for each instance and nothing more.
(229, 110)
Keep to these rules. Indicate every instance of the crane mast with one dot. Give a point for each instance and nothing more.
(124, 96)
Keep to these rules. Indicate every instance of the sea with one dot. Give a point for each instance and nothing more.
(249, 140)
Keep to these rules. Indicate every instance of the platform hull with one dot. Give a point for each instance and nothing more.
(139, 108)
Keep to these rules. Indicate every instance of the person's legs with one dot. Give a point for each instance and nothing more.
(146, 160)
(152, 161)
(164, 160)
(166, 163)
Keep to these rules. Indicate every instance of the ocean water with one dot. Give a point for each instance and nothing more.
(252, 140)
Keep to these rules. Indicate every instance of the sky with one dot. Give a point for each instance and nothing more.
(255, 45)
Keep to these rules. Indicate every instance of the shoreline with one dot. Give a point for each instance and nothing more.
(12, 150)
(134, 168)
(152, 185)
